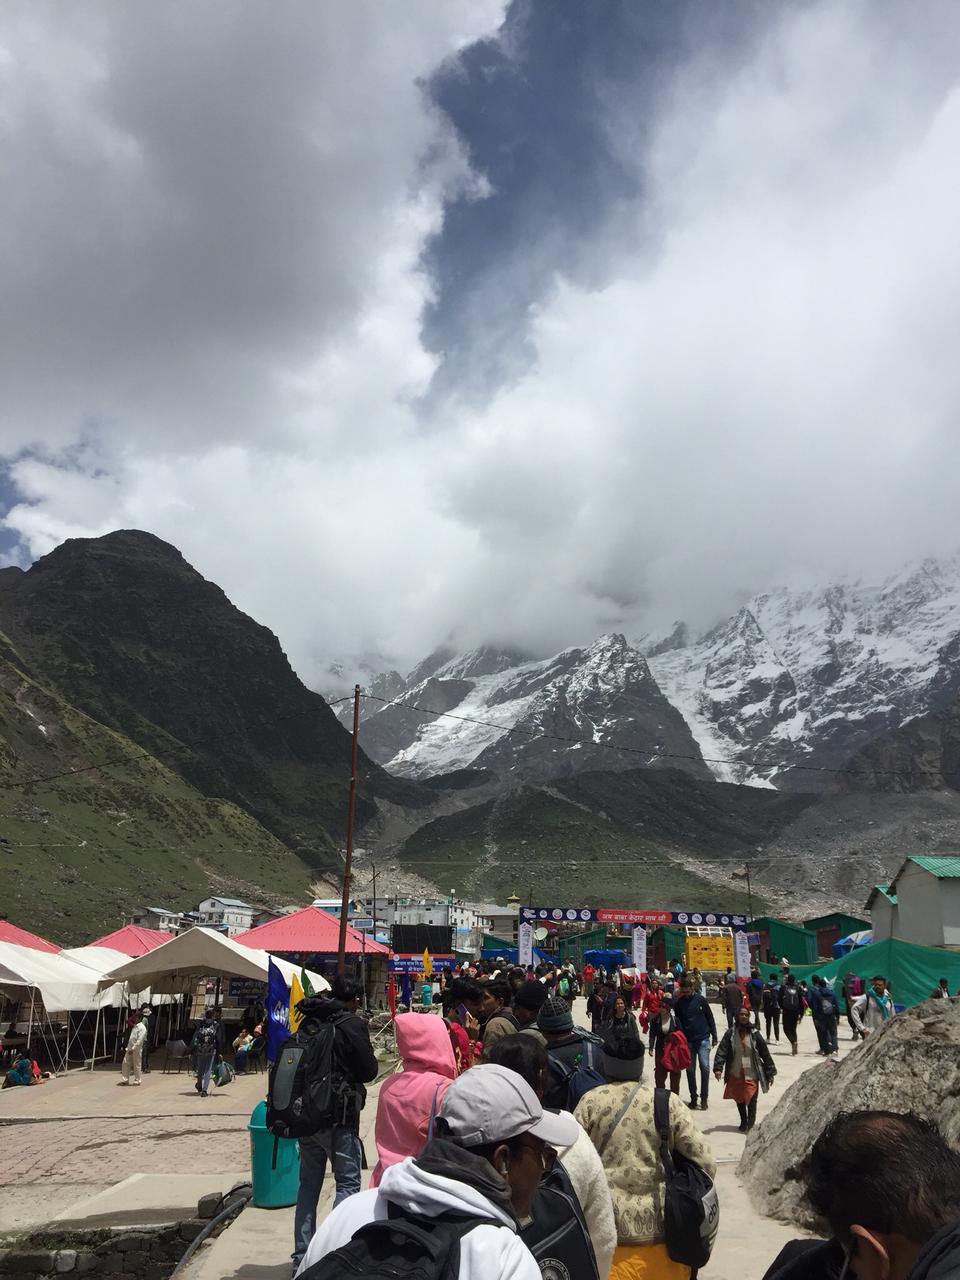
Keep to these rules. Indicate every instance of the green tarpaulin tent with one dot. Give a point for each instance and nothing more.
(912, 971)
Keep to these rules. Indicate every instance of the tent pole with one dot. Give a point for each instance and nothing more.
(33, 992)
(96, 1032)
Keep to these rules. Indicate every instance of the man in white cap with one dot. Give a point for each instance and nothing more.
(475, 1180)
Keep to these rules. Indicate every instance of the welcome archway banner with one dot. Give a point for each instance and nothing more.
(617, 915)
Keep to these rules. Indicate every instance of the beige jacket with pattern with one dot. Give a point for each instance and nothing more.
(631, 1157)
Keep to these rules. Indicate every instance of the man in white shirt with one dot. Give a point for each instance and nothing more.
(872, 1010)
(133, 1053)
(485, 1163)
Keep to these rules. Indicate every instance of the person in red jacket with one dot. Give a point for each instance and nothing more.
(650, 1009)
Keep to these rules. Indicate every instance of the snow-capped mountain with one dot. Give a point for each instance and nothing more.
(793, 684)
(531, 719)
(799, 680)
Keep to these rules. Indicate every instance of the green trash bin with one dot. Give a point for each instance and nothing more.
(274, 1164)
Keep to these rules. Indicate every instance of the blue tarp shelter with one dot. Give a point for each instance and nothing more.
(863, 938)
(606, 959)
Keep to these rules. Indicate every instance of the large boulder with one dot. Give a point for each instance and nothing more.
(912, 1064)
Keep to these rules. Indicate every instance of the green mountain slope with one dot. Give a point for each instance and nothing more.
(605, 839)
(130, 634)
(80, 850)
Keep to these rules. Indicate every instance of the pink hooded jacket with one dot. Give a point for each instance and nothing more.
(408, 1098)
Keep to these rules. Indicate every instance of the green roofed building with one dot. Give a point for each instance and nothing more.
(927, 891)
(881, 906)
(779, 938)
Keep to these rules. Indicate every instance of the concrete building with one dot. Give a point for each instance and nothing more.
(926, 893)
(229, 915)
(881, 907)
(161, 918)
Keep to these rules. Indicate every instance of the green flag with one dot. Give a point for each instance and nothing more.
(306, 984)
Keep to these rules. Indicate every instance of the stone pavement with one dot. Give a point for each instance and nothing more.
(80, 1133)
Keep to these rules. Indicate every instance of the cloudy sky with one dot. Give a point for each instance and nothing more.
(484, 321)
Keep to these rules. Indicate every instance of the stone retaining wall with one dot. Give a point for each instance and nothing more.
(121, 1254)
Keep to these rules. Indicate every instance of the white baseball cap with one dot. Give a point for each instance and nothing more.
(491, 1103)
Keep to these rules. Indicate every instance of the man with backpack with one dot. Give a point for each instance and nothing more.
(206, 1046)
(453, 1211)
(316, 1094)
(791, 1006)
(770, 1004)
(826, 1015)
(574, 1055)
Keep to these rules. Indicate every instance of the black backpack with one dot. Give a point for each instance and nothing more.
(790, 1000)
(205, 1038)
(573, 1081)
(769, 1000)
(557, 1234)
(300, 1092)
(691, 1210)
(400, 1247)
(828, 1004)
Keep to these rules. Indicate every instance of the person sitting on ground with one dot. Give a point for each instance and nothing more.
(410, 1101)
(620, 1121)
(493, 1142)
(569, 1049)
(889, 1186)
(497, 1020)
(940, 991)
(579, 1162)
(21, 1073)
(873, 1009)
(744, 1061)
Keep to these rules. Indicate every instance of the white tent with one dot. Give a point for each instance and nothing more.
(61, 982)
(201, 953)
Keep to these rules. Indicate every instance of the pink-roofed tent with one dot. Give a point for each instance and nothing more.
(132, 940)
(21, 938)
(312, 931)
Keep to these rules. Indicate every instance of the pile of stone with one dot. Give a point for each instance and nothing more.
(911, 1064)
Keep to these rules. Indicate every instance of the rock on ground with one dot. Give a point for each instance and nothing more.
(912, 1064)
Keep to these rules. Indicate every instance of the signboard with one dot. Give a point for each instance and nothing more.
(245, 988)
(362, 922)
(525, 945)
(741, 954)
(414, 963)
(640, 948)
(614, 915)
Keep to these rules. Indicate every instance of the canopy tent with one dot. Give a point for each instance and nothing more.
(61, 982)
(912, 971)
(309, 931)
(132, 940)
(201, 953)
(22, 938)
(862, 938)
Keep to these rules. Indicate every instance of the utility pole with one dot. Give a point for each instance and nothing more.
(348, 860)
(749, 894)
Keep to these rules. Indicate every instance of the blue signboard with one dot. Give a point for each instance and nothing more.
(616, 915)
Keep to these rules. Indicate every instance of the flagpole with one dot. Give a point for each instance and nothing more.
(348, 860)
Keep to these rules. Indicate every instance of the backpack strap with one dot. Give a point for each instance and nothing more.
(618, 1117)
(661, 1120)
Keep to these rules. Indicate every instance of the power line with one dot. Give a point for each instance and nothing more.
(647, 752)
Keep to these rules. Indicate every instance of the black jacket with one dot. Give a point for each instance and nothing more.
(353, 1057)
(940, 1257)
(696, 1019)
(763, 1064)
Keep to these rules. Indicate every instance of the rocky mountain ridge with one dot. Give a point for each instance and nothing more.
(783, 693)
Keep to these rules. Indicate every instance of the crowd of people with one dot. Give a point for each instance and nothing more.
(520, 1144)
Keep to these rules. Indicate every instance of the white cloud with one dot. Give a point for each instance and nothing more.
(768, 388)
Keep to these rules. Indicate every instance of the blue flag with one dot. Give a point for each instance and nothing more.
(278, 1011)
(406, 993)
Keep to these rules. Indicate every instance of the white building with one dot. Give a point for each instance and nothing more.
(161, 918)
(229, 915)
(882, 908)
(921, 903)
